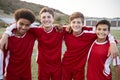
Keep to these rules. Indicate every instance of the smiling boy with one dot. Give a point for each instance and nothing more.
(20, 47)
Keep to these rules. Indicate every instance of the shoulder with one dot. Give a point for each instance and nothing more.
(87, 28)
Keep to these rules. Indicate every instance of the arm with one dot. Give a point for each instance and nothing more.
(113, 50)
(9, 29)
(69, 29)
(58, 27)
(1, 63)
(36, 31)
(6, 34)
(116, 64)
(88, 28)
(117, 72)
(4, 41)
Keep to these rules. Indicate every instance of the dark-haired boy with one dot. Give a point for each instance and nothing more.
(98, 61)
(20, 47)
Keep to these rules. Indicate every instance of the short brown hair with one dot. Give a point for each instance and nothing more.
(77, 15)
(24, 13)
(46, 9)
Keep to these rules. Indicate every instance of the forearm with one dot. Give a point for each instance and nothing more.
(111, 39)
(4, 38)
(113, 50)
(117, 72)
(4, 41)
(9, 29)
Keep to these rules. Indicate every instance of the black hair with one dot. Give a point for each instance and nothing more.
(24, 13)
(106, 22)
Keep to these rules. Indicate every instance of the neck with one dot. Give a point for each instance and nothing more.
(17, 33)
(101, 40)
(77, 33)
(48, 29)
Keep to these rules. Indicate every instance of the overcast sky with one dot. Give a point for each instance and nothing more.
(91, 8)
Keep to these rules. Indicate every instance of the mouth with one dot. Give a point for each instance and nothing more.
(23, 31)
(101, 35)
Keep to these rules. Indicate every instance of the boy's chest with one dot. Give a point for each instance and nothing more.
(79, 41)
(51, 38)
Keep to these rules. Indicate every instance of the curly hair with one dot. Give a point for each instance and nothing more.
(24, 13)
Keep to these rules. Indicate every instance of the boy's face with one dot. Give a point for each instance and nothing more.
(102, 31)
(76, 24)
(46, 19)
(23, 26)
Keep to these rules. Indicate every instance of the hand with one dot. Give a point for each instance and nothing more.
(4, 41)
(4, 77)
(68, 29)
(113, 50)
(58, 27)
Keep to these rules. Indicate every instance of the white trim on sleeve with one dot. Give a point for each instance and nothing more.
(1, 64)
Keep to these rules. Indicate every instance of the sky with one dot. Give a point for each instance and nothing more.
(90, 8)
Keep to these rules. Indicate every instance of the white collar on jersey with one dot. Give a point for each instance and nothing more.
(78, 34)
(101, 43)
(50, 30)
(18, 36)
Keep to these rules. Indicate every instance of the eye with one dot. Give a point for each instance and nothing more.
(49, 16)
(21, 24)
(27, 25)
(43, 17)
(104, 29)
(78, 22)
(98, 29)
(73, 22)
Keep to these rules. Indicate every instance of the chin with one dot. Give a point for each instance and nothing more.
(47, 25)
(102, 37)
(76, 30)
(23, 33)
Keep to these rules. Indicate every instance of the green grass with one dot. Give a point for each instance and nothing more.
(34, 68)
(116, 33)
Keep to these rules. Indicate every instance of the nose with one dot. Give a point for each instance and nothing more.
(75, 24)
(101, 31)
(24, 27)
(46, 18)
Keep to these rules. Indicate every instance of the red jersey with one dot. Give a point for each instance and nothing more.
(99, 63)
(77, 49)
(20, 51)
(49, 46)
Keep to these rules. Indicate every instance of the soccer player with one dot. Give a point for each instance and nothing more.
(49, 46)
(77, 44)
(20, 47)
(98, 61)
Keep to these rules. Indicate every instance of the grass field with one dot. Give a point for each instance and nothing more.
(116, 33)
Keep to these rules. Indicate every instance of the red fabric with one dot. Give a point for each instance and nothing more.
(76, 54)
(20, 57)
(96, 62)
(49, 53)
(87, 28)
(49, 72)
